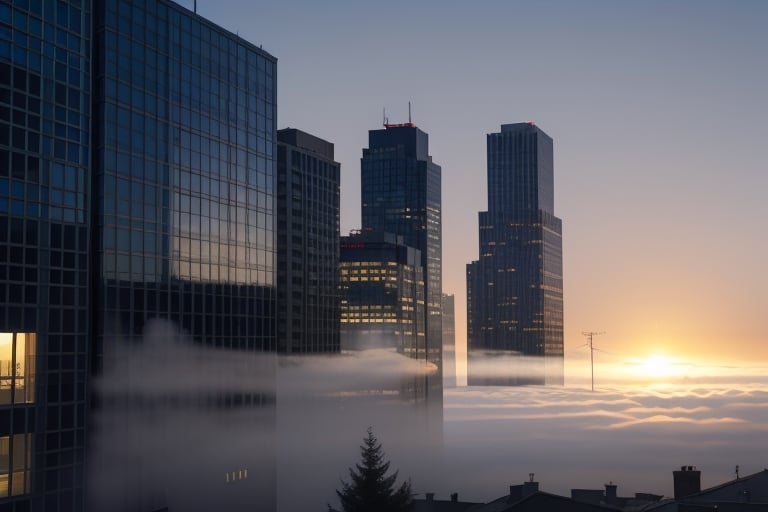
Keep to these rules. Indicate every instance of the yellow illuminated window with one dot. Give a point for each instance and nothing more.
(15, 464)
(17, 367)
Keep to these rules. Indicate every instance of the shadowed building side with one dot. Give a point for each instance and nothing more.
(308, 181)
(140, 169)
(45, 222)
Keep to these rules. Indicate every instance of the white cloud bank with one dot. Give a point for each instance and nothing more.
(634, 431)
(630, 434)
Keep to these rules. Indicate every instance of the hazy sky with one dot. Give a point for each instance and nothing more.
(657, 110)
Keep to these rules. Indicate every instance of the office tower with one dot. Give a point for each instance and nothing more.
(184, 177)
(400, 187)
(45, 143)
(382, 288)
(184, 180)
(449, 341)
(141, 191)
(308, 181)
(515, 288)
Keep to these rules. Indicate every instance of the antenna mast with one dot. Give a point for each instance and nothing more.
(409, 113)
(590, 334)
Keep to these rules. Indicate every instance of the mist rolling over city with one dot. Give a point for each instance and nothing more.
(344, 256)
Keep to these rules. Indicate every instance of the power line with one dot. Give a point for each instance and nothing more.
(590, 335)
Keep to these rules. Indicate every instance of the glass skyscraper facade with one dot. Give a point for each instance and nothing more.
(45, 185)
(308, 202)
(515, 288)
(401, 194)
(144, 191)
(184, 175)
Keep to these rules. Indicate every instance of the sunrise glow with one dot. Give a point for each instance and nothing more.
(657, 366)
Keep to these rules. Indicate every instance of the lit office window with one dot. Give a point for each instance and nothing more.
(17, 368)
(15, 464)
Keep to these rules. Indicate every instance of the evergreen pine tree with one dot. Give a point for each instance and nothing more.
(369, 489)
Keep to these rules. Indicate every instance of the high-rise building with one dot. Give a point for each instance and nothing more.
(184, 177)
(308, 181)
(137, 177)
(449, 341)
(515, 288)
(401, 194)
(45, 214)
(382, 288)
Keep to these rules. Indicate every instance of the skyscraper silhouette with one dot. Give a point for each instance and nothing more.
(515, 288)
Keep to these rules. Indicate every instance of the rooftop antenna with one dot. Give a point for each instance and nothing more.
(590, 335)
(384, 116)
(737, 472)
(195, 6)
(531, 475)
(409, 113)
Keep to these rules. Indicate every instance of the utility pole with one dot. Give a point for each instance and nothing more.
(590, 335)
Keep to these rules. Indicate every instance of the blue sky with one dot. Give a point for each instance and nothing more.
(657, 110)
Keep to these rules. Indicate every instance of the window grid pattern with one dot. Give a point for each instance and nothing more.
(515, 288)
(308, 250)
(382, 289)
(15, 465)
(186, 177)
(401, 194)
(44, 215)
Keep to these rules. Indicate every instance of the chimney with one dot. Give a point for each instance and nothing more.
(530, 488)
(430, 497)
(687, 481)
(455, 497)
